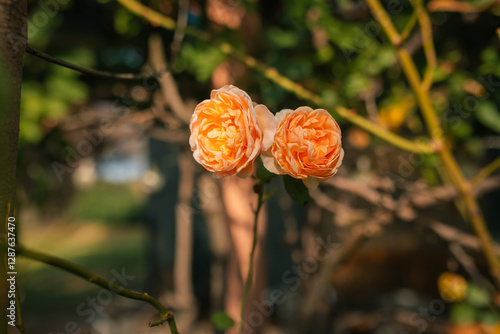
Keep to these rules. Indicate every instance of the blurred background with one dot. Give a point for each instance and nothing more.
(106, 177)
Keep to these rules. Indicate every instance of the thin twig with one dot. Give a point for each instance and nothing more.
(485, 172)
(429, 50)
(166, 315)
(248, 283)
(63, 63)
(182, 21)
(169, 89)
(452, 234)
(272, 74)
(409, 26)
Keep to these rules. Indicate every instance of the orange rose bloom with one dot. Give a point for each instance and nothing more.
(228, 132)
(307, 146)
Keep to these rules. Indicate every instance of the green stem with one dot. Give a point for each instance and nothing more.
(248, 283)
(166, 315)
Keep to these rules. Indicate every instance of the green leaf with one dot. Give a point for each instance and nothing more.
(463, 130)
(462, 314)
(263, 174)
(489, 317)
(488, 115)
(477, 296)
(283, 38)
(221, 321)
(296, 189)
(200, 60)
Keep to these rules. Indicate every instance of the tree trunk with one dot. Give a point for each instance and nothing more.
(13, 39)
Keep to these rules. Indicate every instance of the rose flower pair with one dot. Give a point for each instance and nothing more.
(228, 132)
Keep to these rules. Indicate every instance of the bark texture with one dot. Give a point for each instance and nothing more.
(13, 39)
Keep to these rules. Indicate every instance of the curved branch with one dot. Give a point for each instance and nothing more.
(166, 315)
(63, 63)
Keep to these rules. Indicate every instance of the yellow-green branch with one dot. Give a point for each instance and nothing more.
(430, 53)
(485, 172)
(437, 135)
(410, 25)
(272, 74)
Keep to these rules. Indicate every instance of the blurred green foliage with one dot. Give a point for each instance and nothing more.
(477, 307)
(51, 98)
(462, 313)
(116, 204)
(199, 59)
(221, 321)
(49, 90)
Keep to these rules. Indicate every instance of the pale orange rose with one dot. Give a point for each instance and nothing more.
(228, 132)
(307, 146)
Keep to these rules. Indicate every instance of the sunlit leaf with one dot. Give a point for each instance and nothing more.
(462, 313)
(477, 296)
(221, 321)
(489, 115)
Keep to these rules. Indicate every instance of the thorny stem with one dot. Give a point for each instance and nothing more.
(166, 315)
(248, 283)
(272, 74)
(432, 121)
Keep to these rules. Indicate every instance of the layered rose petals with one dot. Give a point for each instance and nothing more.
(228, 132)
(307, 146)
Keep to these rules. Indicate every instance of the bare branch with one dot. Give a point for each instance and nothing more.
(166, 315)
(63, 63)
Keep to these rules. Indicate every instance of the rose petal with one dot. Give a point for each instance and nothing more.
(271, 164)
(311, 183)
(267, 123)
(246, 171)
